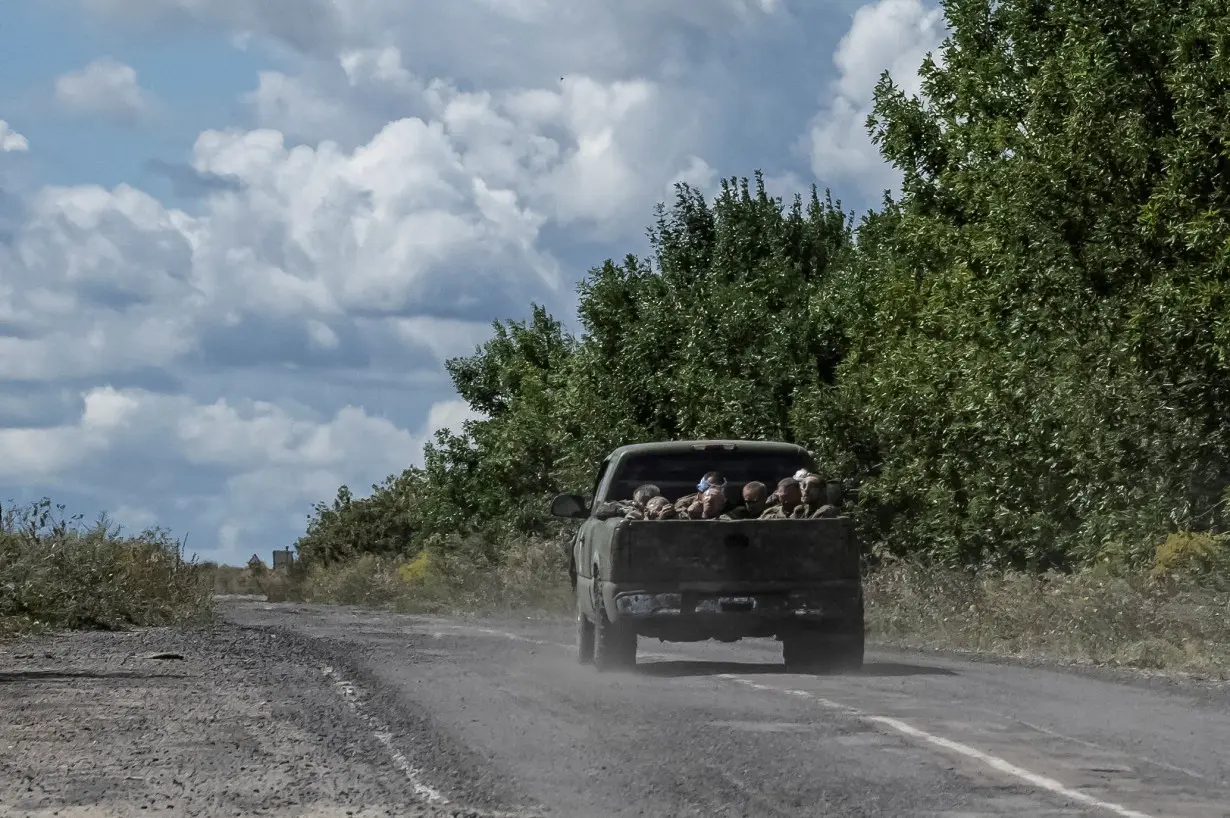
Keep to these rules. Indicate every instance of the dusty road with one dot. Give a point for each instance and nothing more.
(303, 710)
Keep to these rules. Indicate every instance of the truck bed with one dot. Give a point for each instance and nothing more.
(739, 554)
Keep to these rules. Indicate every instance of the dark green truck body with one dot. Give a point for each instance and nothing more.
(689, 580)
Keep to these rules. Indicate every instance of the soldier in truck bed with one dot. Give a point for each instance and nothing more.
(659, 508)
(789, 494)
(633, 509)
(685, 502)
(813, 502)
(755, 495)
(710, 506)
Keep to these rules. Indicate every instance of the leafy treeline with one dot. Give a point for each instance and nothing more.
(1023, 357)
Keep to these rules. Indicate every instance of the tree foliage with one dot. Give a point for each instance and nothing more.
(1024, 357)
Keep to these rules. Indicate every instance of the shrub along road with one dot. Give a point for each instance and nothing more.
(313, 710)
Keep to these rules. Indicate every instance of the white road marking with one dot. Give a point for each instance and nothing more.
(383, 735)
(1095, 746)
(994, 762)
(439, 630)
(1008, 768)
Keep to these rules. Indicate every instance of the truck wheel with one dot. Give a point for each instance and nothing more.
(822, 653)
(585, 640)
(614, 643)
(848, 651)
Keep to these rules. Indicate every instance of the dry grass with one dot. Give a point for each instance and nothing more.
(237, 580)
(532, 579)
(57, 574)
(1096, 616)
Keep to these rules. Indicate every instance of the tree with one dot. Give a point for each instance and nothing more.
(1053, 299)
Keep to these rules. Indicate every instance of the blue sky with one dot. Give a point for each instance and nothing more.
(238, 239)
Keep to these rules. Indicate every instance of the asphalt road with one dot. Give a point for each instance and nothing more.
(327, 711)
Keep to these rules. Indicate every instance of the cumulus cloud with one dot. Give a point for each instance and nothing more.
(591, 37)
(104, 88)
(298, 109)
(266, 461)
(893, 35)
(439, 216)
(10, 140)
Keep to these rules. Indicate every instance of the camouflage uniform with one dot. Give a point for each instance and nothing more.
(710, 479)
(685, 502)
(777, 509)
(804, 511)
(659, 508)
(813, 504)
(633, 509)
(617, 508)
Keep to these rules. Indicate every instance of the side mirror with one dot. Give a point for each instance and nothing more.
(835, 493)
(570, 506)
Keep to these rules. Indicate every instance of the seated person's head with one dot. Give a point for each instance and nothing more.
(789, 492)
(645, 493)
(813, 489)
(755, 495)
(659, 508)
(712, 502)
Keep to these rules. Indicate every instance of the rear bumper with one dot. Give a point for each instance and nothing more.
(800, 605)
(736, 613)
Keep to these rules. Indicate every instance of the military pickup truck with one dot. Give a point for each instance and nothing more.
(797, 580)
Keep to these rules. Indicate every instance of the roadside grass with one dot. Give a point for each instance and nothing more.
(237, 580)
(1172, 614)
(531, 580)
(57, 574)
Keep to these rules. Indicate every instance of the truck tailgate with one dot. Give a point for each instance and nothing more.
(735, 551)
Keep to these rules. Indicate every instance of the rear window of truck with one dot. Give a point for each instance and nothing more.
(677, 473)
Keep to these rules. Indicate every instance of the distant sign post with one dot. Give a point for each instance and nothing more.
(283, 559)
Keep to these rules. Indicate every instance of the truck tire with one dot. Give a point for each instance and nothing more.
(806, 652)
(585, 639)
(614, 642)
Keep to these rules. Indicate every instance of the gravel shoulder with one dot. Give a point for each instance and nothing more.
(220, 720)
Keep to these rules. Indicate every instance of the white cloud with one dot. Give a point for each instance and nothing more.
(893, 35)
(434, 215)
(445, 337)
(317, 229)
(268, 460)
(10, 140)
(450, 415)
(501, 42)
(104, 88)
(377, 66)
(297, 108)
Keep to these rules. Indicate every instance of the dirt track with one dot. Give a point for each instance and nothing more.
(303, 710)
